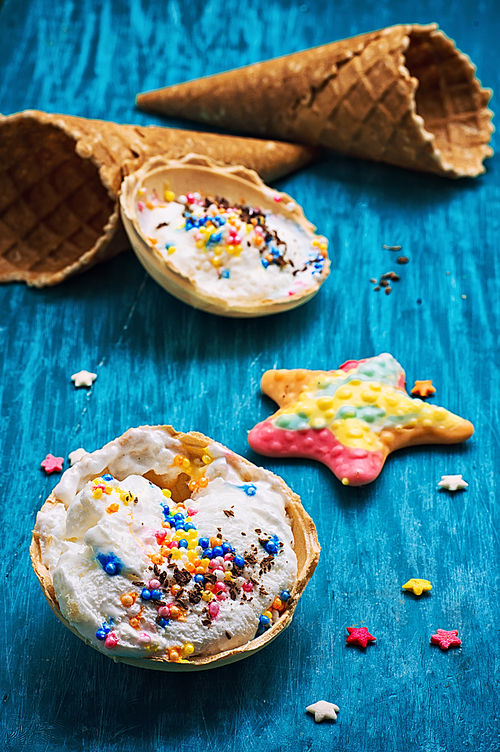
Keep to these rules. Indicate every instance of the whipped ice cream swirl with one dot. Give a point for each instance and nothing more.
(138, 574)
(232, 251)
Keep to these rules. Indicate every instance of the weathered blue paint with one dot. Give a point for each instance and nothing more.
(159, 361)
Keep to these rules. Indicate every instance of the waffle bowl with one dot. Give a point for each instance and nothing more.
(403, 95)
(60, 177)
(151, 452)
(250, 289)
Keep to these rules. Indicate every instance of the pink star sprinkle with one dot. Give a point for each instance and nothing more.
(52, 464)
(446, 639)
(359, 636)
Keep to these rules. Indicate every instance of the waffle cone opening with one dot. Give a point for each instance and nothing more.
(53, 206)
(450, 100)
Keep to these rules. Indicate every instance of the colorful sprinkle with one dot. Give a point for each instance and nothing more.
(417, 586)
(359, 636)
(452, 483)
(83, 378)
(446, 639)
(52, 464)
(423, 388)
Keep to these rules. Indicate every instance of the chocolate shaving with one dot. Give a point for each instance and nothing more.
(258, 530)
(138, 583)
(228, 635)
(228, 513)
(210, 578)
(182, 576)
(162, 224)
(206, 622)
(195, 596)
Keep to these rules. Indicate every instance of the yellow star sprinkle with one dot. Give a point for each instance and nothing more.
(418, 586)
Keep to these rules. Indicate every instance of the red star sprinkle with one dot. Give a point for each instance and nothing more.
(446, 639)
(359, 636)
(52, 464)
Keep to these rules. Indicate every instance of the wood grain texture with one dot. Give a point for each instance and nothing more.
(159, 361)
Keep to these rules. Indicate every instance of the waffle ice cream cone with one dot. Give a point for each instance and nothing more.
(60, 177)
(188, 465)
(403, 95)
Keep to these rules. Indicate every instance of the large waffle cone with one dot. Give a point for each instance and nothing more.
(404, 95)
(143, 443)
(60, 177)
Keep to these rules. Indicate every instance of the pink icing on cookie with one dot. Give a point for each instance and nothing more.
(354, 467)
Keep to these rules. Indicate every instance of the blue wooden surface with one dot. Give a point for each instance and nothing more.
(159, 361)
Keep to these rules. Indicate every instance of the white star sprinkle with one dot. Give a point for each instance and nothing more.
(84, 378)
(452, 482)
(323, 711)
(76, 456)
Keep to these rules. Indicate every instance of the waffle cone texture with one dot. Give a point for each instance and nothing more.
(60, 177)
(403, 95)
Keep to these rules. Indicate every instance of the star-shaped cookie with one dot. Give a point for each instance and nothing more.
(351, 418)
(323, 711)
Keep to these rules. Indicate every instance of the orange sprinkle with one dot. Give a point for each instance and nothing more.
(423, 388)
(175, 612)
(128, 599)
(112, 508)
